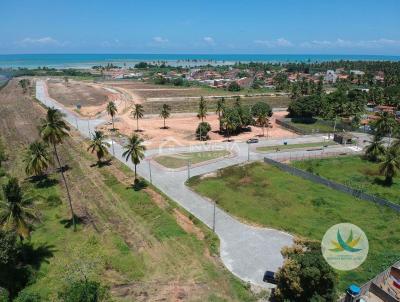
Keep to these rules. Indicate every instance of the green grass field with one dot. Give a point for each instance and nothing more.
(264, 195)
(295, 146)
(317, 126)
(176, 161)
(354, 172)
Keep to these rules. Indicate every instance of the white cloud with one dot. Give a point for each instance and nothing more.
(41, 41)
(160, 40)
(209, 40)
(281, 42)
(113, 43)
(340, 43)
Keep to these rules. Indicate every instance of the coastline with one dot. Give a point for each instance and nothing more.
(86, 61)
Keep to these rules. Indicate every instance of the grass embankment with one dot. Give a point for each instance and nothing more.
(354, 172)
(262, 194)
(179, 160)
(138, 243)
(295, 146)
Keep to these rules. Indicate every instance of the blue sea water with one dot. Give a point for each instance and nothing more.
(88, 60)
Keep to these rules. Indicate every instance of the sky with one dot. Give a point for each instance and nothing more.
(201, 27)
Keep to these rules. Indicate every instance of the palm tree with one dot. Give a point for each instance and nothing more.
(390, 164)
(229, 126)
(165, 113)
(15, 210)
(53, 130)
(219, 111)
(134, 151)
(202, 113)
(112, 111)
(138, 113)
(37, 159)
(385, 124)
(262, 120)
(375, 149)
(98, 145)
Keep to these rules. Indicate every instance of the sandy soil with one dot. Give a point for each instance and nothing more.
(92, 97)
(182, 128)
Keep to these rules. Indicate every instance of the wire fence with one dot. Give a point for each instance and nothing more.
(331, 184)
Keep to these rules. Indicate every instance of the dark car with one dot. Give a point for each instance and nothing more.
(269, 277)
(252, 141)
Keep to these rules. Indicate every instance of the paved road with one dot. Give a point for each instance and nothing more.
(246, 251)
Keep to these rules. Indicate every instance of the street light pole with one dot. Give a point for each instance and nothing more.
(248, 152)
(188, 169)
(88, 125)
(112, 144)
(76, 122)
(151, 180)
(214, 208)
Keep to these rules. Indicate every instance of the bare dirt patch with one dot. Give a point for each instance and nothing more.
(182, 127)
(92, 98)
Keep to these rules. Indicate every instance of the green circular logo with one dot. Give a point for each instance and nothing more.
(345, 246)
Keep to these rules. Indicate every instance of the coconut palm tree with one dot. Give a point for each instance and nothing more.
(112, 111)
(15, 210)
(390, 164)
(53, 130)
(229, 126)
(386, 124)
(165, 113)
(138, 113)
(37, 159)
(202, 112)
(134, 150)
(98, 145)
(375, 149)
(262, 120)
(220, 110)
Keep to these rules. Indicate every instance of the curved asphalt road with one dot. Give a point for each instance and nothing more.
(246, 251)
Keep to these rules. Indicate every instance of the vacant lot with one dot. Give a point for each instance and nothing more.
(295, 146)
(264, 195)
(72, 93)
(191, 104)
(138, 243)
(179, 160)
(354, 172)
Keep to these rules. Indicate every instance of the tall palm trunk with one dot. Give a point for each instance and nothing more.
(66, 186)
(112, 119)
(135, 174)
(220, 124)
(164, 123)
(137, 124)
(263, 126)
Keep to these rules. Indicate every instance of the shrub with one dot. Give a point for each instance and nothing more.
(84, 291)
(234, 86)
(202, 131)
(26, 296)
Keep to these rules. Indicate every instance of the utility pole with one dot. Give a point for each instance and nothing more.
(188, 169)
(76, 122)
(248, 152)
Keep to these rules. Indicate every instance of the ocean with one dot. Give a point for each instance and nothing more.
(89, 60)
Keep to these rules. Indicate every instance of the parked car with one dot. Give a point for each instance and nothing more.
(269, 277)
(252, 141)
